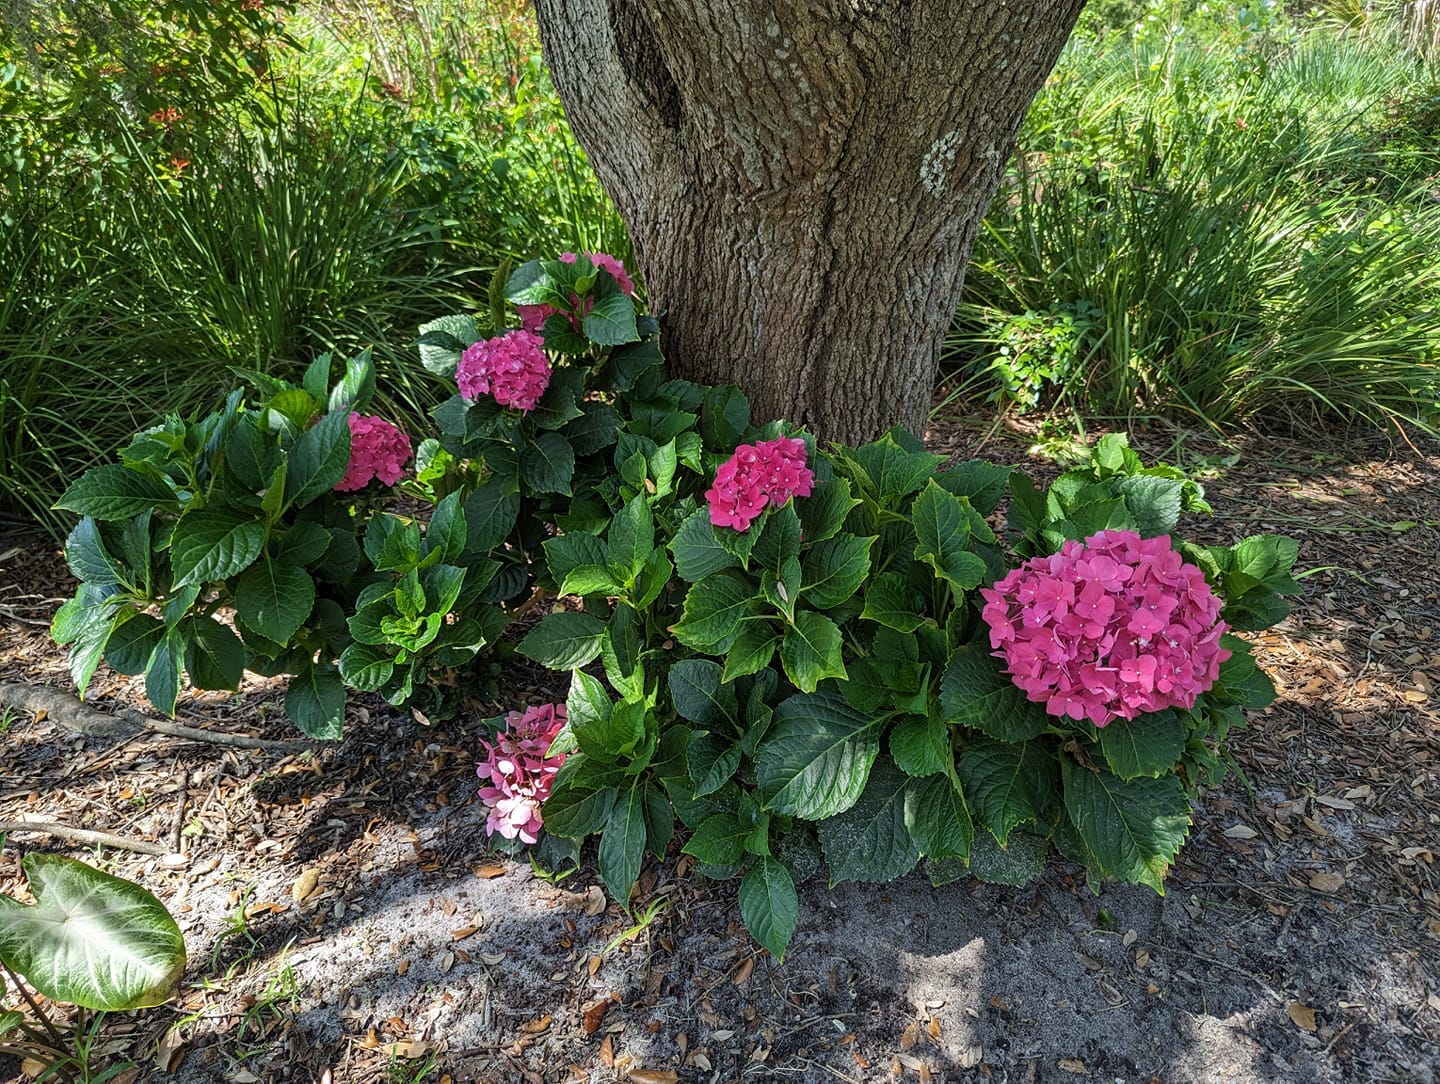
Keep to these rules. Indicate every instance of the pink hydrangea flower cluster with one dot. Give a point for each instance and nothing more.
(511, 367)
(1110, 628)
(377, 450)
(533, 317)
(518, 773)
(768, 472)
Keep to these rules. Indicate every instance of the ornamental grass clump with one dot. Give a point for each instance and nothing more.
(760, 475)
(511, 368)
(378, 450)
(1107, 629)
(518, 771)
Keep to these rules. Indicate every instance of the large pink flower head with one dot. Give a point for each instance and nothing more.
(517, 773)
(1110, 628)
(377, 450)
(533, 317)
(511, 368)
(767, 473)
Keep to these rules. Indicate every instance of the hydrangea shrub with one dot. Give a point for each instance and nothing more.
(785, 656)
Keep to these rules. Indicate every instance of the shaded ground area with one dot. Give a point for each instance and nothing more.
(345, 918)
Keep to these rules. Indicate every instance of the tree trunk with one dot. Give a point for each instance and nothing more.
(803, 179)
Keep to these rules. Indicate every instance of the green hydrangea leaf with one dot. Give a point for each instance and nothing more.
(769, 905)
(975, 694)
(870, 841)
(563, 641)
(112, 492)
(810, 651)
(714, 610)
(939, 819)
(815, 759)
(834, 570)
(1148, 745)
(1007, 784)
(1133, 827)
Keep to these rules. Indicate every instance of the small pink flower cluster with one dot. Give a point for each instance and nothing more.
(1109, 628)
(533, 317)
(511, 368)
(518, 773)
(768, 472)
(377, 450)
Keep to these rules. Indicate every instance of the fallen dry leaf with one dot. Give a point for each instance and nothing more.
(655, 1076)
(607, 1053)
(1074, 1065)
(464, 932)
(910, 1036)
(489, 872)
(535, 1027)
(305, 885)
(409, 1049)
(170, 1051)
(1302, 1015)
(742, 973)
(1240, 831)
(595, 1014)
(1326, 882)
(594, 901)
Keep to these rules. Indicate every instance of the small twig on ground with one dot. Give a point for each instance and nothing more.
(84, 835)
(64, 710)
(1265, 986)
(177, 828)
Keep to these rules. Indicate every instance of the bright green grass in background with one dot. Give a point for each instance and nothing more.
(1220, 212)
(1216, 211)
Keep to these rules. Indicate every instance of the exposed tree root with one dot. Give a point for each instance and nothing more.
(84, 835)
(66, 711)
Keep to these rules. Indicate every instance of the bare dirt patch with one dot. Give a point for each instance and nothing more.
(347, 923)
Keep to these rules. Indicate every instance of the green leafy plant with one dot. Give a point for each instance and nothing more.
(237, 514)
(97, 941)
(821, 696)
(793, 652)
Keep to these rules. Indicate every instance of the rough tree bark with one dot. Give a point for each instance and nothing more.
(803, 179)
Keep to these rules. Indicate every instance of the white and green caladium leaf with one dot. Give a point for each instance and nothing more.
(91, 939)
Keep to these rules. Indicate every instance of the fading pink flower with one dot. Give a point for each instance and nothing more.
(511, 368)
(1113, 627)
(767, 473)
(533, 317)
(377, 450)
(518, 771)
